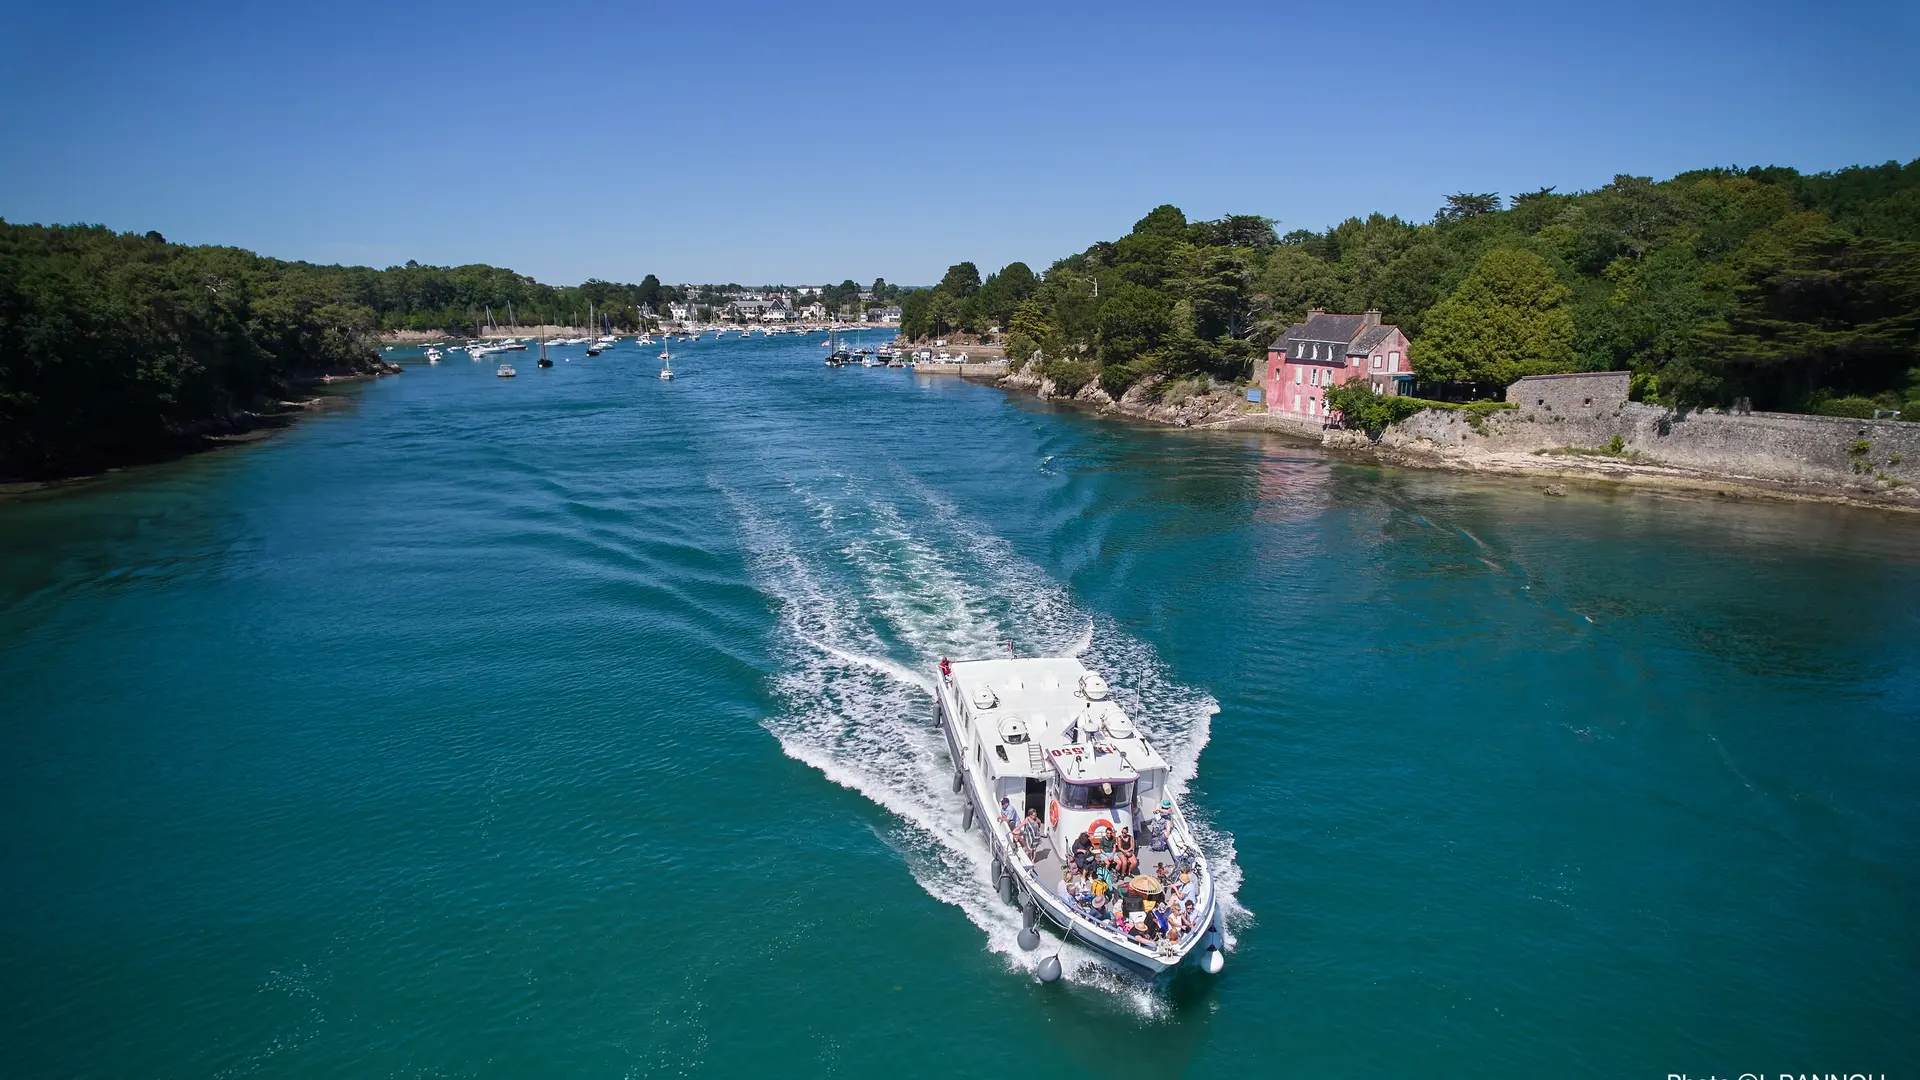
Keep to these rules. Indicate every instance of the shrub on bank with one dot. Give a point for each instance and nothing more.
(1069, 376)
(1857, 408)
(1361, 408)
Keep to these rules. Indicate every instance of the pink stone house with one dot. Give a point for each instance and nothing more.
(1327, 350)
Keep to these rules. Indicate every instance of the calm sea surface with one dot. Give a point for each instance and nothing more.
(574, 725)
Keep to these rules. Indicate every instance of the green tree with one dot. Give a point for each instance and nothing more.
(1027, 331)
(961, 281)
(1295, 280)
(1469, 204)
(1508, 318)
(942, 314)
(1815, 308)
(1133, 320)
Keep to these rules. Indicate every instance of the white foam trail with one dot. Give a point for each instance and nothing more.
(1082, 643)
(1178, 718)
(866, 587)
(883, 666)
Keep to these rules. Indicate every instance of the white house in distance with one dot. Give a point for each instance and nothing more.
(1326, 350)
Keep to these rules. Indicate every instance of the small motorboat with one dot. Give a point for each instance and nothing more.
(506, 371)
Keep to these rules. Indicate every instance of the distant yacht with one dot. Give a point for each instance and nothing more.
(506, 371)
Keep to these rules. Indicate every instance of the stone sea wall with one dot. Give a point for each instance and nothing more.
(1785, 447)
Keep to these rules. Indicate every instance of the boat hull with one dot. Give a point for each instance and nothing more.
(1029, 889)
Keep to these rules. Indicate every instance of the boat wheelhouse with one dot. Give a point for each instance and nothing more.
(1059, 779)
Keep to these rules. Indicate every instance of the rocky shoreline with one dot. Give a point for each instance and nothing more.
(1226, 408)
(246, 426)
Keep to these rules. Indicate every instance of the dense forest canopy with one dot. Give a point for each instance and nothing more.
(114, 345)
(1791, 290)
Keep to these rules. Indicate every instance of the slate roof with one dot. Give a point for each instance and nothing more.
(1370, 337)
(1350, 335)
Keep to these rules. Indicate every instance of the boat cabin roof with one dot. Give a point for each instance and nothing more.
(1046, 716)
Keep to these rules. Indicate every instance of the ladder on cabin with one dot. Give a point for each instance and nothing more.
(1036, 759)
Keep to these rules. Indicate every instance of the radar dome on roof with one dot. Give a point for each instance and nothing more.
(1094, 687)
(1013, 730)
(983, 698)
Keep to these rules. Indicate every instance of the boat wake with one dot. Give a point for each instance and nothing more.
(869, 601)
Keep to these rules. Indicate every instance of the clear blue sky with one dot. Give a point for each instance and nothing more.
(745, 142)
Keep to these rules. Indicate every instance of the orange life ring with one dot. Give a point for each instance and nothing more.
(1097, 822)
(1053, 813)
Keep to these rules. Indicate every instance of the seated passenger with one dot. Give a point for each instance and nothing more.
(1163, 822)
(1189, 886)
(1075, 888)
(1083, 852)
(1140, 927)
(1123, 849)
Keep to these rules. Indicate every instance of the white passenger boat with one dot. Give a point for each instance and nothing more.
(1045, 736)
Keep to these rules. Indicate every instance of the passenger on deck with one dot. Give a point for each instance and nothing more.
(1007, 815)
(1083, 853)
(1160, 825)
(1032, 834)
(1189, 886)
(1140, 927)
(1123, 851)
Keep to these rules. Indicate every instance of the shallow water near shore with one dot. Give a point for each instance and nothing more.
(576, 724)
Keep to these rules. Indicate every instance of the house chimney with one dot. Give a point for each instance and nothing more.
(1370, 317)
(1312, 311)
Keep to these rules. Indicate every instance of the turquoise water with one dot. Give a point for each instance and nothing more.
(573, 725)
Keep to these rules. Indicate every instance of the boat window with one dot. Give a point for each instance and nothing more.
(1103, 796)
